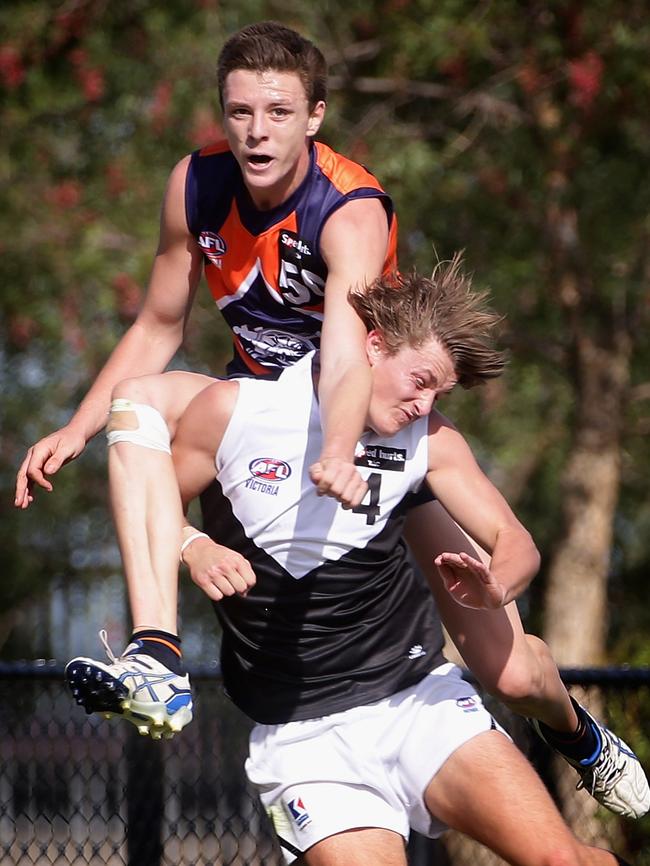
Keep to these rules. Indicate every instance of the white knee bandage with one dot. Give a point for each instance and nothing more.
(137, 423)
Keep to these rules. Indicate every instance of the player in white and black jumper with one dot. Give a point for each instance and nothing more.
(363, 729)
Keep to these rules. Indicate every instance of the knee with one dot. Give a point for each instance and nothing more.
(167, 393)
(522, 679)
(136, 389)
(135, 418)
(516, 685)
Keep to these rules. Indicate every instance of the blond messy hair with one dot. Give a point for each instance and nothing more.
(410, 309)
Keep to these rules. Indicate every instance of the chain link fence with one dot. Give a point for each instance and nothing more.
(82, 790)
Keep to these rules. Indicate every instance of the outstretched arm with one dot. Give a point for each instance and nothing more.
(353, 243)
(468, 495)
(146, 347)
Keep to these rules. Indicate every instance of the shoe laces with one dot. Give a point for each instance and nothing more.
(603, 774)
(103, 636)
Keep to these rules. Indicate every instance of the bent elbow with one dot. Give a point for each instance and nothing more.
(534, 557)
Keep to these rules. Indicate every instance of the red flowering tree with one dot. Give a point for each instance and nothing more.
(97, 104)
(519, 133)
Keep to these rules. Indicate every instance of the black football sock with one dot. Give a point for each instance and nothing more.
(160, 645)
(583, 745)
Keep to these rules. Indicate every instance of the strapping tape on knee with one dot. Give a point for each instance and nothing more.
(139, 424)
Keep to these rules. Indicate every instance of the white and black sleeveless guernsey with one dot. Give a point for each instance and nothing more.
(338, 618)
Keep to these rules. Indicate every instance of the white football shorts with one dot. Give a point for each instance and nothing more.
(368, 766)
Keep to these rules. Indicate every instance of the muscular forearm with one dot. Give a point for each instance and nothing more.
(344, 400)
(515, 561)
(143, 350)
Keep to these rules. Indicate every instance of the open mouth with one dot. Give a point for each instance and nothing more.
(259, 160)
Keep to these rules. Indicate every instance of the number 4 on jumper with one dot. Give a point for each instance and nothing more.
(371, 509)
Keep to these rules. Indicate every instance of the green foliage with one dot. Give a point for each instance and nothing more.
(518, 132)
(97, 105)
(500, 120)
(489, 124)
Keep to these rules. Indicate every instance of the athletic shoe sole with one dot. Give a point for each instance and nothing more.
(98, 691)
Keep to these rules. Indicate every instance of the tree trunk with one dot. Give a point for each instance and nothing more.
(576, 616)
(576, 592)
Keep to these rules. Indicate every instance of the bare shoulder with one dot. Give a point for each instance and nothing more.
(348, 214)
(173, 211)
(359, 228)
(178, 173)
(447, 445)
(440, 424)
(175, 191)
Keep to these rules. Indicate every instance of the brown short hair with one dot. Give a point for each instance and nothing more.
(410, 309)
(270, 45)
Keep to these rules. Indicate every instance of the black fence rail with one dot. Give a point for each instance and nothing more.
(83, 791)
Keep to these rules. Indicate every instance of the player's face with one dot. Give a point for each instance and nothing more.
(407, 384)
(268, 123)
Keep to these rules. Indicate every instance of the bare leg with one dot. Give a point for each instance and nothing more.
(146, 502)
(488, 791)
(361, 847)
(146, 685)
(519, 670)
(515, 667)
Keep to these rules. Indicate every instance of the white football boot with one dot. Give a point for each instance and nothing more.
(134, 687)
(612, 775)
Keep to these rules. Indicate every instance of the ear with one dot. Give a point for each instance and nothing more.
(375, 346)
(315, 118)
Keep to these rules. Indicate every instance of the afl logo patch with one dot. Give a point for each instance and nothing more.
(213, 246)
(269, 469)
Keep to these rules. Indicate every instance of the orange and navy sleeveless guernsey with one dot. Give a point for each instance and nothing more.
(264, 268)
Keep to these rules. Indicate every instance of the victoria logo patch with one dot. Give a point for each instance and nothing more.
(266, 473)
